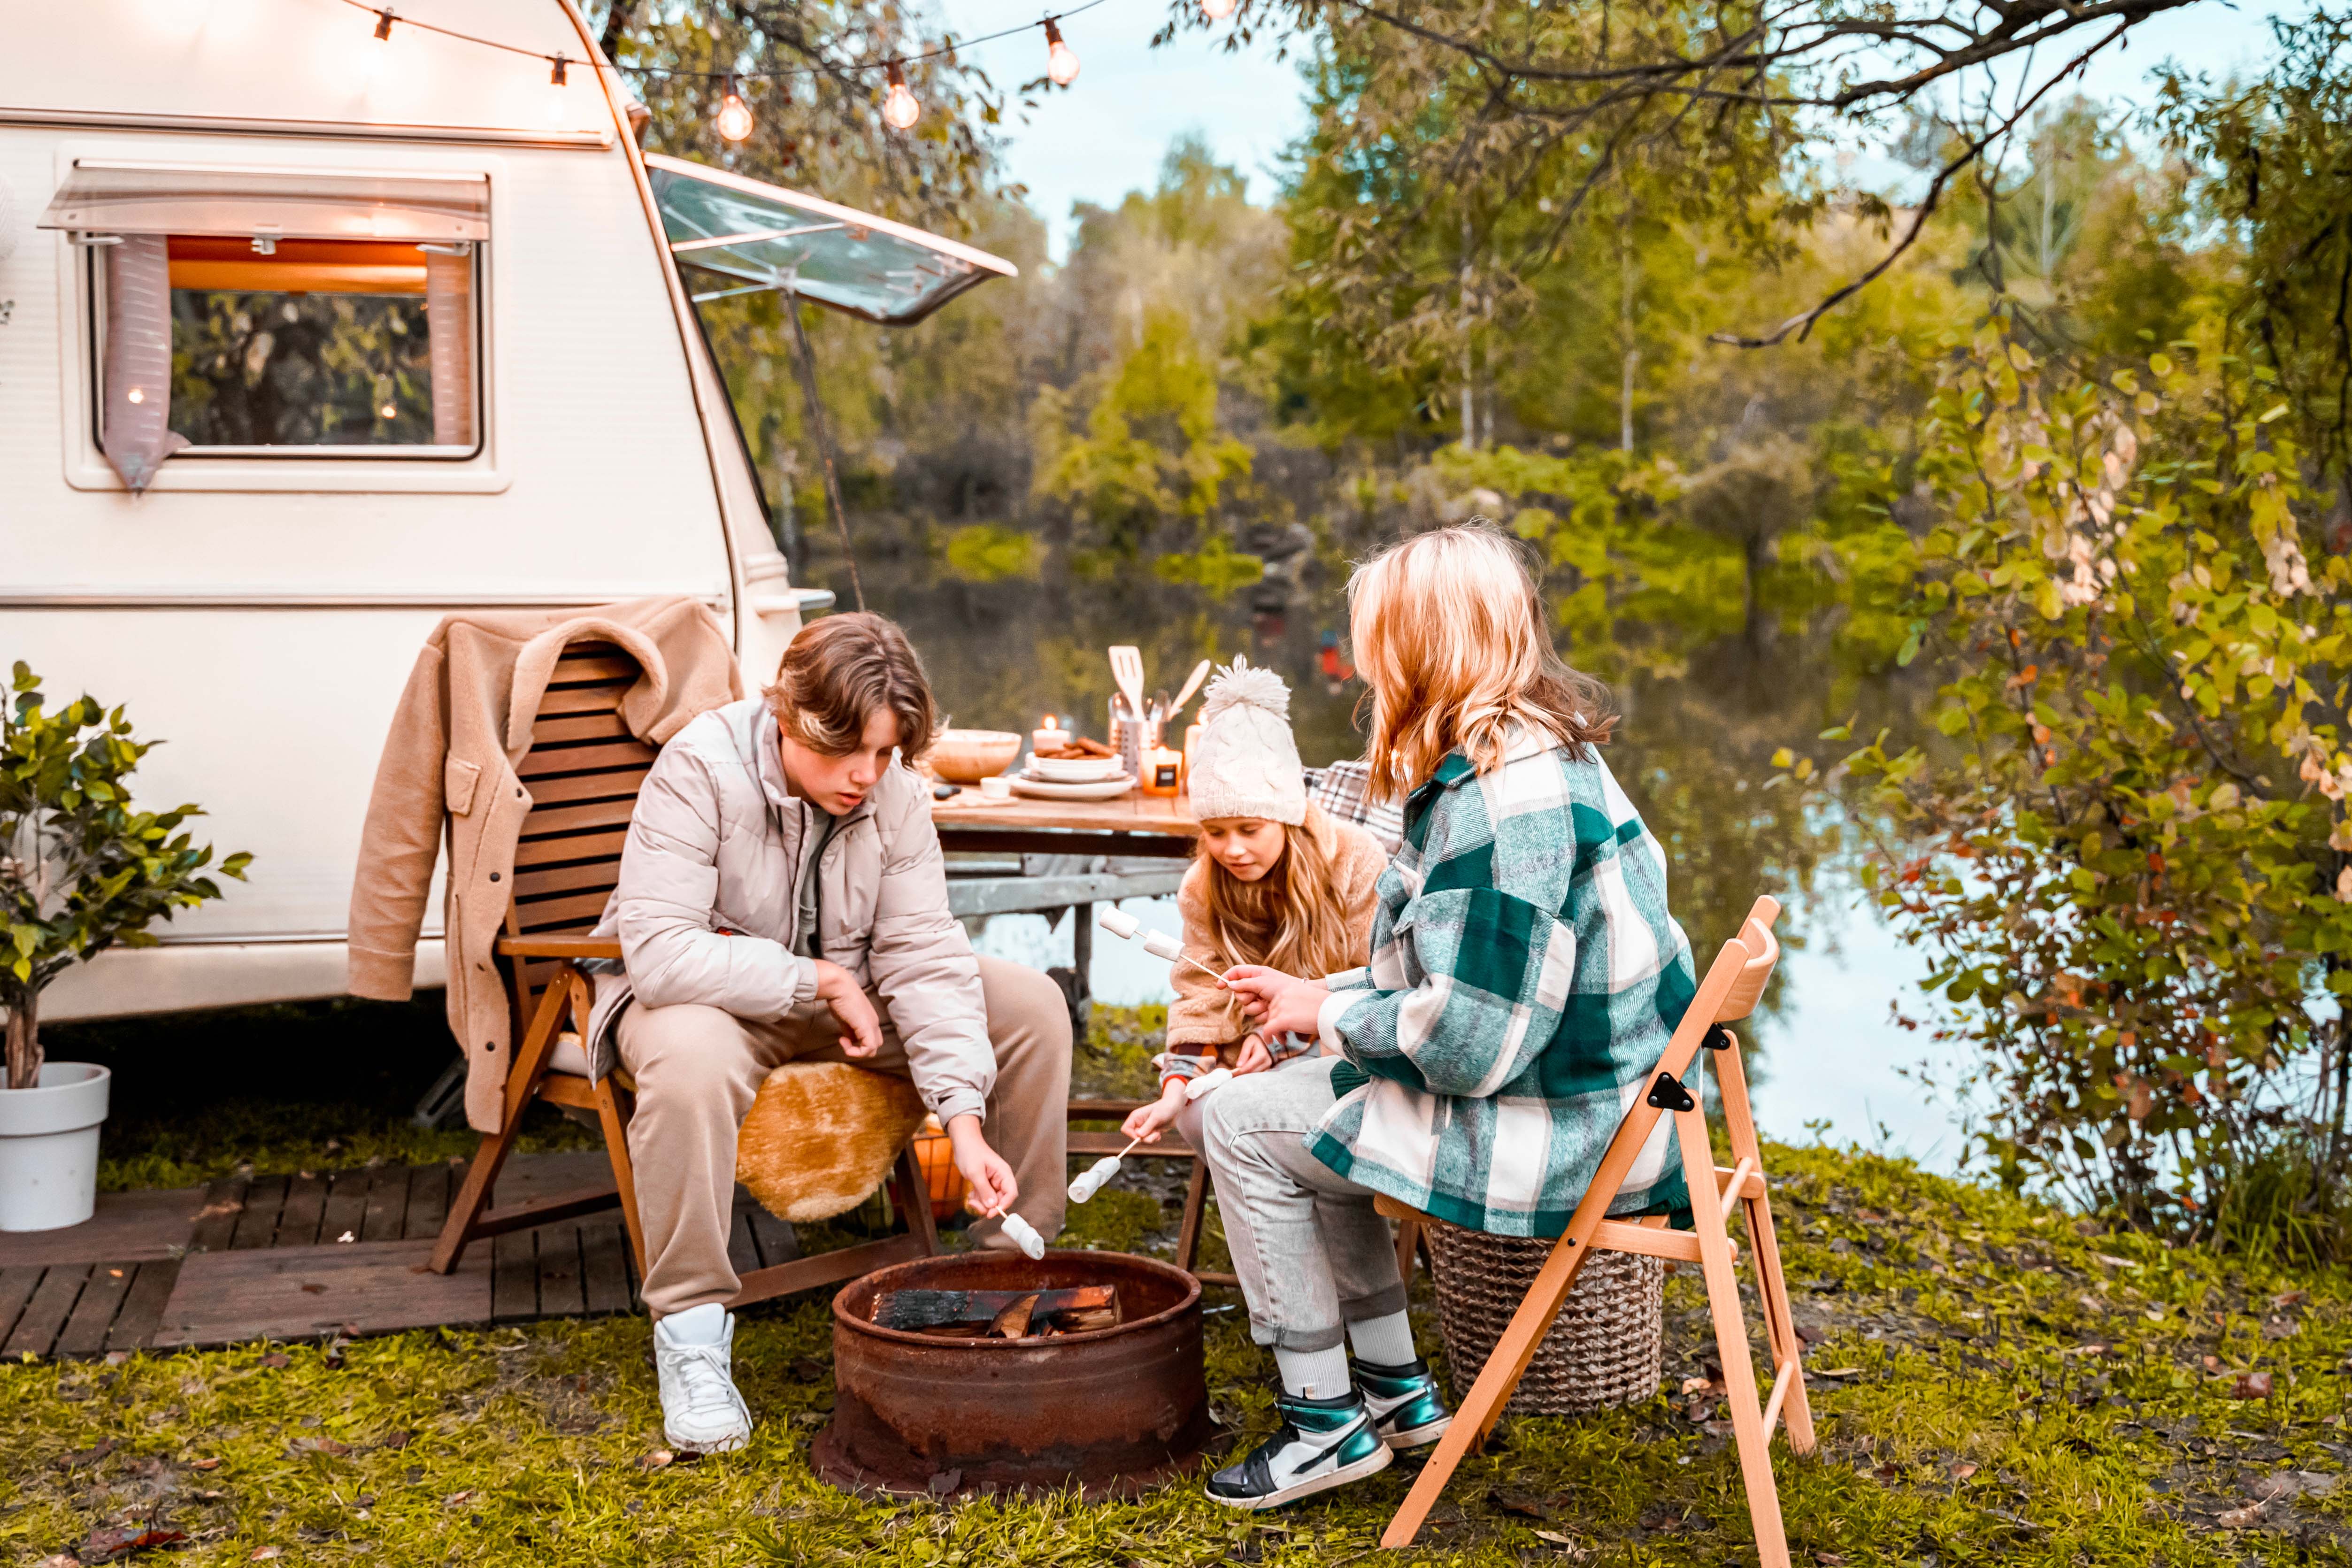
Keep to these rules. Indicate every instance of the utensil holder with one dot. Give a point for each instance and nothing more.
(1127, 737)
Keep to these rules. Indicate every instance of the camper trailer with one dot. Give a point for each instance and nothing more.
(317, 323)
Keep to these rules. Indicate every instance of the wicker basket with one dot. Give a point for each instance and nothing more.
(1606, 1347)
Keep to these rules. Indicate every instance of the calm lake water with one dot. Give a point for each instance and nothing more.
(1692, 749)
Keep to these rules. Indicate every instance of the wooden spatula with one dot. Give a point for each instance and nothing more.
(1192, 684)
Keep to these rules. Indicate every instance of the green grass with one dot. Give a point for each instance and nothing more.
(1993, 1384)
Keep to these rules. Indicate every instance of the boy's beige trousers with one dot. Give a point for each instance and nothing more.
(698, 1069)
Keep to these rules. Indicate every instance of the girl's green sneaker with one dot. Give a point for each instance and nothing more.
(1403, 1400)
(1321, 1444)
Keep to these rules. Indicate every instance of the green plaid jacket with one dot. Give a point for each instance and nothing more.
(1525, 978)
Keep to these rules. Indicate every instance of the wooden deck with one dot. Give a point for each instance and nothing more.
(284, 1257)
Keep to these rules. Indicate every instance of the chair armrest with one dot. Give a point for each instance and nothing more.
(559, 947)
(1396, 1208)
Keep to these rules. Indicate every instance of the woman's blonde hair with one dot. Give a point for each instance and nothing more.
(1449, 634)
(1291, 918)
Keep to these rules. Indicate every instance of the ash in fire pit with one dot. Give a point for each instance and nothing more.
(990, 1372)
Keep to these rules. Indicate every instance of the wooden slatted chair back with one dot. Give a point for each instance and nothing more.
(583, 771)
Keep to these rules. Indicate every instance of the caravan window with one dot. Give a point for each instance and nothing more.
(321, 343)
(291, 311)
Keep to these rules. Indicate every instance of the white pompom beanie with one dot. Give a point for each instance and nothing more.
(1245, 763)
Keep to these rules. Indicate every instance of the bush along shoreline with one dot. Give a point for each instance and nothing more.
(1994, 1380)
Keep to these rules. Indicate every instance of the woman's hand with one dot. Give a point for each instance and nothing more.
(983, 1168)
(839, 990)
(1254, 1056)
(1148, 1122)
(1276, 1002)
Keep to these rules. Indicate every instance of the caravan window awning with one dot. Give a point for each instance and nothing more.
(766, 237)
(109, 197)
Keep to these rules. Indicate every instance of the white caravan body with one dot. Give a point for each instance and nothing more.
(258, 607)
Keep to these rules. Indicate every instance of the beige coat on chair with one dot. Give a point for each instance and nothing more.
(463, 723)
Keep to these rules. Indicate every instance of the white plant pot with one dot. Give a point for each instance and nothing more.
(49, 1147)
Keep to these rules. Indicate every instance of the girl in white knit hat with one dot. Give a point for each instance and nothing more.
(1277, 882)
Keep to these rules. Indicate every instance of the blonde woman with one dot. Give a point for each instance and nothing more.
(1525, 974)
(1277, 882)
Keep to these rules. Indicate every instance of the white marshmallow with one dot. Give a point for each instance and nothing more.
(1118, 922)
(1094, 1178)
(1159, 944)
(1024, 1236)
(1208, 1081)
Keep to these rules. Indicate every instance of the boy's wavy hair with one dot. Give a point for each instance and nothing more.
(839, 672)
(1449, 633)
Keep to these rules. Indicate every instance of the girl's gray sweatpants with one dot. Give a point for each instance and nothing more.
(1312, 1253)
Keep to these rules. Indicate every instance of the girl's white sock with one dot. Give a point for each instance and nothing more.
(1314, 1375)
(1383, 1341)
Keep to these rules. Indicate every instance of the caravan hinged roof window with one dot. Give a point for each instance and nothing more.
(769, 237)
(111, 196)
(245, 312)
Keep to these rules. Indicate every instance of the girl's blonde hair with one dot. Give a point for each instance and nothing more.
(1450, 635)
(1291, 918)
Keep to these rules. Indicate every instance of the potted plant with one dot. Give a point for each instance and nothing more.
(80, 870)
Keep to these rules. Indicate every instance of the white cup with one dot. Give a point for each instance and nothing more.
(996, 788)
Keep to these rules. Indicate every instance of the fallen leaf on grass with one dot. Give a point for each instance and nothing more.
(1525, 1507)
(117, 1358)
(1697, 1385)
(2112, 1261)
(1962, 1471)
(2094, 1349)
(1833, 1372)
(326, 1445)
(264, 1554)
(458, 1499)
(203, 1464)
(656, 1460)
(1565, 1544)
(276, 1359)
(104, 1545)
(2251, 1386)
(1829, 1559)
(85, 1456)
(2244, 1518)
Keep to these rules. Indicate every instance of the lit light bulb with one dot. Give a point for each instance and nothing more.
(383, 20)
(390, 411)
(1061, 60)
(1217, 10)
(136, 395)
(734, 121)
(901, 109)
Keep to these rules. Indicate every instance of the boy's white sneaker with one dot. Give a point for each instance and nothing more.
(693, 1354)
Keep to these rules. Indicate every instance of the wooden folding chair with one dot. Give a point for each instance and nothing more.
(1728, 993)
(584, 771)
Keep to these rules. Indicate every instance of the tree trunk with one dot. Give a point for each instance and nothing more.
(25, 1041)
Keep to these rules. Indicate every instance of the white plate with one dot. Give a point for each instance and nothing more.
(1094, 770)
(1040, 789)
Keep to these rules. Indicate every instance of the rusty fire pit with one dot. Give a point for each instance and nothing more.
(1111, 1411)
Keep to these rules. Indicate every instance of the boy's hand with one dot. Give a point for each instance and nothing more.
(1148, 1122)
(1276, 1002)
(1254, 1056)
(837, 989)
(985, 1170)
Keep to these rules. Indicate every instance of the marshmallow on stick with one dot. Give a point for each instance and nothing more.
(1157, 943)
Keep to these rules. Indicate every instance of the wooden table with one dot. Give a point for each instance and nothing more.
(1135, 823)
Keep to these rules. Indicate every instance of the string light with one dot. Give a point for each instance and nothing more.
(1061, 60)
(901, 107)
(734, 119)
(1216, 10)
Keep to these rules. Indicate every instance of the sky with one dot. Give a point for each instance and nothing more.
(1105, 136)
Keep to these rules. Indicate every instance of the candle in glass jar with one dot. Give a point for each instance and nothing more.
(1163, 770)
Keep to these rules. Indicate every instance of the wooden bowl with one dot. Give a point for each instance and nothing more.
(968, 756)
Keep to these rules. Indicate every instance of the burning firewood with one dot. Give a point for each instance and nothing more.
(1012, 1323)
(926, 1311)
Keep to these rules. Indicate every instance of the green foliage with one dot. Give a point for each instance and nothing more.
(81, 869)
(2129, 858)
(1152, 452)
(990, 553)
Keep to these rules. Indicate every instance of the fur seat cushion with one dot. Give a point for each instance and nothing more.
(822, 1136)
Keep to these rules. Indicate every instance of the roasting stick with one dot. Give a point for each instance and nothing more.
(1159, 944)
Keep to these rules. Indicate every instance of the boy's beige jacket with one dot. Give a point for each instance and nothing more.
(1205, 1014)
(463, 724)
